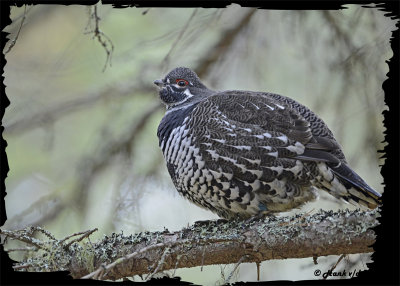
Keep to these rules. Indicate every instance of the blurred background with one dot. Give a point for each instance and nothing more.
(81, 127)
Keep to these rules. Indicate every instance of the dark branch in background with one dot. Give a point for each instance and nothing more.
(185, 27)
(14, 41)
(117, 256)
(44, 205)
(106, 152)
(102, 38)
(56, 112)
(349, 56)
(223, 45)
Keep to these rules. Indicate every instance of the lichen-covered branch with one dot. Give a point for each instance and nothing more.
(117, 256)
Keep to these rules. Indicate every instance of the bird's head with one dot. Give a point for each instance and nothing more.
(180, 86)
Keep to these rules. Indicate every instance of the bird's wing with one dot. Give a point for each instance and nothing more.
(254, 131)
(258, 122)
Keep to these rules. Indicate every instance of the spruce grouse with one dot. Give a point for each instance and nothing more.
(243, 153)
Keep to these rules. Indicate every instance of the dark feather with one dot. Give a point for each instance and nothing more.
(351, 179)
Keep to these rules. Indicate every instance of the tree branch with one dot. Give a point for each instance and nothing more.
(118, 256)
(102, 38)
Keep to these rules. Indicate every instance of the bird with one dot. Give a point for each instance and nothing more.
(242, 154)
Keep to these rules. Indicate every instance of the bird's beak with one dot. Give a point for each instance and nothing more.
(159, 83)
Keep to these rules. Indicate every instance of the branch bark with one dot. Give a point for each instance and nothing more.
(208, 243)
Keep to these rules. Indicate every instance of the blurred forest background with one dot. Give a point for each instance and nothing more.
(81, 127)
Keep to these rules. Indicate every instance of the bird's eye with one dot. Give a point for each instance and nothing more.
(182, 82)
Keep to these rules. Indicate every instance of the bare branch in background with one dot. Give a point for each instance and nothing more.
(60, 110)
(242, 259)
(185, 27)
(223, 45)
(300, 236)
(350, 58)
(106, 152)
(102, 38)
(48, 205)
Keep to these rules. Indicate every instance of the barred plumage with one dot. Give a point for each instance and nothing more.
(242, 153)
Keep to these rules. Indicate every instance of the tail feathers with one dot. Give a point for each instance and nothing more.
(357, 188)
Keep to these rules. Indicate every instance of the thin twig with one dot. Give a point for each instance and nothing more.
(334, 266)
(146, 11)
(23, 237)
(43, 231)
(17, 267)
(160, 263)
(102, 38)
(106, 268)
(108, 149)
(22, 249)
(56, 112)
(84, 234)
(298, 219)
(178, 258)
(234, 269)
(186, 26)
(202, 259)
(14, 41)
(224, 44)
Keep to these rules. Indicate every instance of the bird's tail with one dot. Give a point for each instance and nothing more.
(346, 184)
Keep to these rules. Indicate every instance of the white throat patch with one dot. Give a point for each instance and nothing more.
(178, 105)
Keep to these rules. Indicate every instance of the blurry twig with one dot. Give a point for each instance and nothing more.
(336, 264)
(83, 233)
(159, 264)
(352, 57)
(166, 58)
(23, 266)
(146, 11)
(106, 152)
(24, 235)
(14, 41)
(65, 108)
(234, 269)
(224, 43)
(340, 33)
(27, 235)
(43, 202)
(22, 249)
(102, 38)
